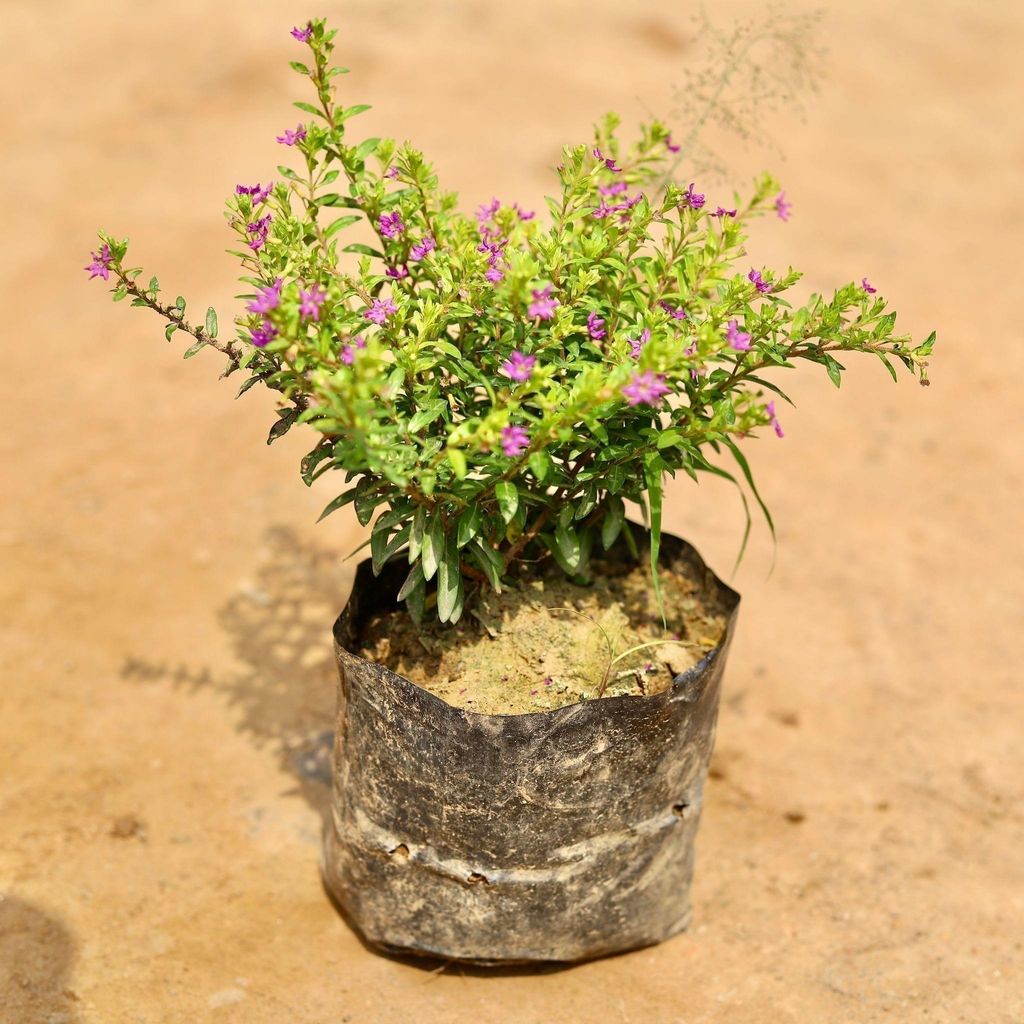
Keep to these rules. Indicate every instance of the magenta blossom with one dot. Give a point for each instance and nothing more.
(422, 247)
(379, 312)
(672, 147)
(391, 172)
(646, 388)
(694, 200)
(259, 195)
(676, 312)
(289, 138)
(518, 367)
(391, 224)
(608, 161)
(723, 212)
(348, 352)
(487, 210)
(867, 286)
(782, 206)
(523, 214)
(303, 34)
(543, 305)
(262, 335)
(267, 299)
(259, 229)
(310, 302)
(615, 189)
(398, 273)
(514, 441)
(595, 326)
(100, 265)
(773, 419)
(758, 281)
(494, 274)
(637, 344)
(737, 339)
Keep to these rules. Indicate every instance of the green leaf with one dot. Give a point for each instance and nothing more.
(338, 502)
(611, 525)
(352, 111)
(297, 65)
(488, 560)
(653, 468)
(192, 349)
(211, 322)
(432, 547)
(540, 465)
(169, 330)
(568, 546)
(341, 223)
(449, 583)
(427, 415)
(508, 499)
(414, 581)
(834, 369)
(364, 250)
(469, 525)
(457, 460)
(364, 149)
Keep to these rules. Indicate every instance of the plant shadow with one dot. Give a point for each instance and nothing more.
(279, 627)
(36, 953)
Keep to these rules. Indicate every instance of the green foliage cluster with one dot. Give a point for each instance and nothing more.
(494, 388)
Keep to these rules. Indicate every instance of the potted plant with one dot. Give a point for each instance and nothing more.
(528, 680)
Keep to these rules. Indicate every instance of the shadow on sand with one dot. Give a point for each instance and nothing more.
(279, 626)
(36, 952)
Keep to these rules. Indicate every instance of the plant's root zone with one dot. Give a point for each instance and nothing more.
(545, 643)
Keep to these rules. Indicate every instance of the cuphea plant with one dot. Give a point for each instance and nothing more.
(495, 387)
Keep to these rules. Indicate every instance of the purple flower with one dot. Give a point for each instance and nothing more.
(267, 299)
(260, 229)
(390, 224)
(391, 172)
(514, 441)
(605, 209)
(495, 274)
(608, 161)
(381, 309)
(523, 214)
(759, 282)
(263, 334)
(595, 327)
(518, 367)
(676, 312)
(289, 138)
(260, 195)
(694, 200)
(867, 286)
(543, 305)
(615, 189)
(671, 146)
(737, 339)
(637, 344)
(773, 419)
(782, 206)
(100, 265)
(486, 211)
(303, 34)
(723, 212)
(399, 273)
(646, 387)
(310, 302)
(348, 352)
(422, 247)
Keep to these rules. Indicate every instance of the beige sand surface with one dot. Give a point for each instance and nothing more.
(166, 598)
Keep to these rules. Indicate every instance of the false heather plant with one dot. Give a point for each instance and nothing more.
(494, 387)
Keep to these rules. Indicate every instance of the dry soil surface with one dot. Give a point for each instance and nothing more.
(167, 601)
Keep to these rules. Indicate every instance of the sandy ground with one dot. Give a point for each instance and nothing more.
(166, 599)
